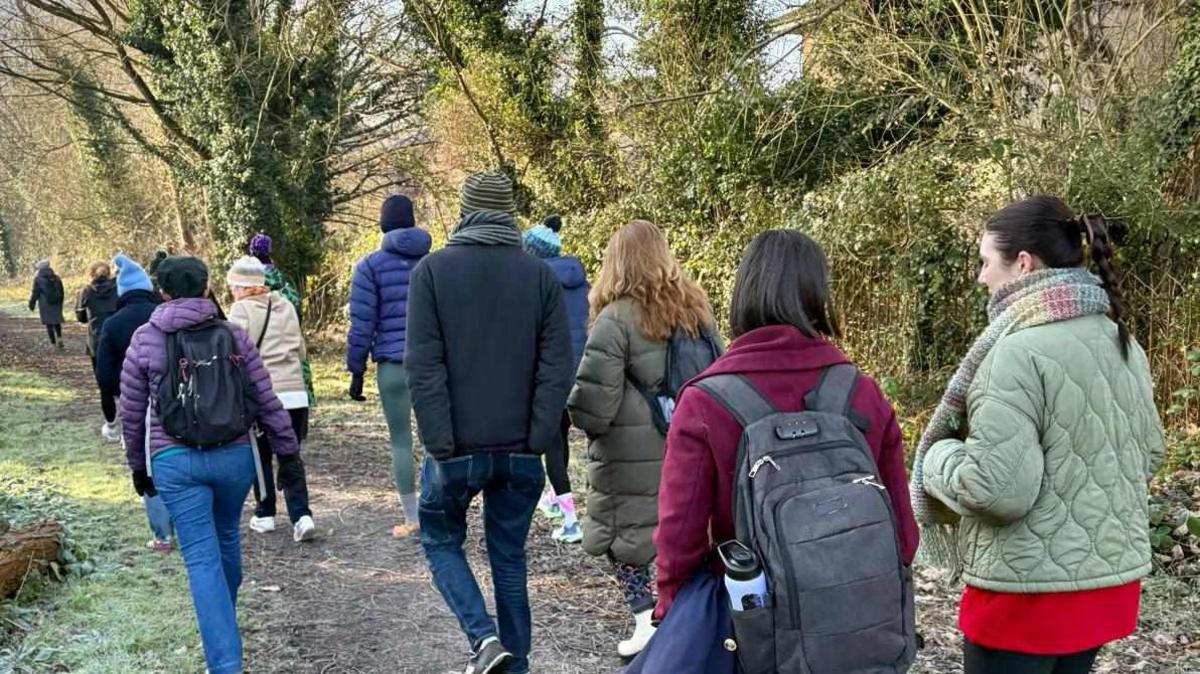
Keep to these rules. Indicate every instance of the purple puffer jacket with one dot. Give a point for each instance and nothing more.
(145, 362)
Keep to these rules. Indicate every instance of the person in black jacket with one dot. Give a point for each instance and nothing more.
(490, 365)
(135, 302)
(95, 303)
(47, 297)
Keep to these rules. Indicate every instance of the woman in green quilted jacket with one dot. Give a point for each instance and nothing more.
(1031, 478)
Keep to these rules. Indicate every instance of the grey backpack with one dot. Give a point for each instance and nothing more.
(808, 500)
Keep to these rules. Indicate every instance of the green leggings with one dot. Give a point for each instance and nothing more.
(397, 410)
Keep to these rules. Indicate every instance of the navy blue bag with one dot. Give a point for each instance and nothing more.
(693, 636)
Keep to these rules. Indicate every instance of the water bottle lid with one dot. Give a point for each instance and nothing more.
(740, 561)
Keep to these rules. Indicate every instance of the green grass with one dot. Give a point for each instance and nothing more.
(15, 308)
(124, 608)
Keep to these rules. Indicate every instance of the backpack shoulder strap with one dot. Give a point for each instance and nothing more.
(834, 394)
(739, 396)
(266, 324)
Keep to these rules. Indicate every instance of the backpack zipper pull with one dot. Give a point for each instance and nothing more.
(762, 462)
(870, 481)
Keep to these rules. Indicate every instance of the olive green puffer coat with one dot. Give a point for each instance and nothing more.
(1052, 478)
(625, 450)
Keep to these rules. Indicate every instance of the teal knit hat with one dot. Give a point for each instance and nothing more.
(543, 242)
(487, 191)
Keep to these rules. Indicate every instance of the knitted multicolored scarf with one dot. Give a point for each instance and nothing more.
(1045, 296)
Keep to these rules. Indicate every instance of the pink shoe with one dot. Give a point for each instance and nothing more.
(160, 546)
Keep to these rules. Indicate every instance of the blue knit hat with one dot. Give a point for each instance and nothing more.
(130, 276)
(542, 242)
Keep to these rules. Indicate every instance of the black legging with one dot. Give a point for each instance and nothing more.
(108, 405)
(980, 660)
(557, 471)
(108, 399)
(294, 483)
(55, 332)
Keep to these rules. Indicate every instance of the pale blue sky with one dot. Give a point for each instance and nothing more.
(782, 58)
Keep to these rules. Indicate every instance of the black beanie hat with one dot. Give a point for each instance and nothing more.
(553, 222)
(396, 213)
(182, 277)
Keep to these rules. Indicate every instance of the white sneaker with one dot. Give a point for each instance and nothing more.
(111, 431)
(642, 631)
(262, 525)
(304, 530)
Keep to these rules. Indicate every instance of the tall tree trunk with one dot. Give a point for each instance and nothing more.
(187, 231)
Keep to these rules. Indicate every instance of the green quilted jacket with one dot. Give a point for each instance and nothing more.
(1051, 481)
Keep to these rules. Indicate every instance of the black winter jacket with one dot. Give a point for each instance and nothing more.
(133, 311)
(488, 352)
(97, 301)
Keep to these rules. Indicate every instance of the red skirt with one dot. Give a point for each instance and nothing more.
(1049, 623)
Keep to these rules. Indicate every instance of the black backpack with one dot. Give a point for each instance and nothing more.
(808, 501)
(687, 357)
(205, 399)
(54, 292)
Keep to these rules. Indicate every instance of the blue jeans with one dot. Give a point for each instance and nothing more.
(511, 485)
(159, 518)
(204, 492)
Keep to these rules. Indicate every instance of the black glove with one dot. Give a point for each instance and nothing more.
(143, 485)
(291, 472)
(356, 384)
(32, 305)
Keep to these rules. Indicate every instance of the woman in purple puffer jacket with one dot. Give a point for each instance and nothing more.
(204, 490)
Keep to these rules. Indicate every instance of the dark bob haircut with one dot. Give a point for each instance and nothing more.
(783, 280)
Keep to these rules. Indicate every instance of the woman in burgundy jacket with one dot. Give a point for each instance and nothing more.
(782, 318)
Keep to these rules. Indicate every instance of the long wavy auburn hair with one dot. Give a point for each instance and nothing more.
(639, 265)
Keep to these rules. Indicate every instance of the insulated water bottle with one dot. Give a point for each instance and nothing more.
(744, 578)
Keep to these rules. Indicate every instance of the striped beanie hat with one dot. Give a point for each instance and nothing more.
(247, 272)
(543, 242)
(487, 191)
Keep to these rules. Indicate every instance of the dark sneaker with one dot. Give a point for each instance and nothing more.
(490, 658)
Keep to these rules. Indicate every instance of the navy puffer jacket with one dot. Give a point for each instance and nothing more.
(379, 299)
(569, 271)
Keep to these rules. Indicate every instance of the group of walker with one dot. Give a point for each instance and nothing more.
(776, 461)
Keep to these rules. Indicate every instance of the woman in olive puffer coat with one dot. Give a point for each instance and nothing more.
(641, 297)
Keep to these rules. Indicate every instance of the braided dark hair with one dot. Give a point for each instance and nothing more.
(1046, 227)
(1099, 233)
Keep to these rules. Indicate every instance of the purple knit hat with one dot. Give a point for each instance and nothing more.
(260, 247)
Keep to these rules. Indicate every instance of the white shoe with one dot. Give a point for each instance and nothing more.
(111, 431)
(304, 530)
(642, 631)
(262, 525)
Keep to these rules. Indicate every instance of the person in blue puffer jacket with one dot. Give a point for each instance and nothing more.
(378, 314)
(544, 242)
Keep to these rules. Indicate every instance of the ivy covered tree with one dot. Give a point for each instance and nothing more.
(270, 114)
